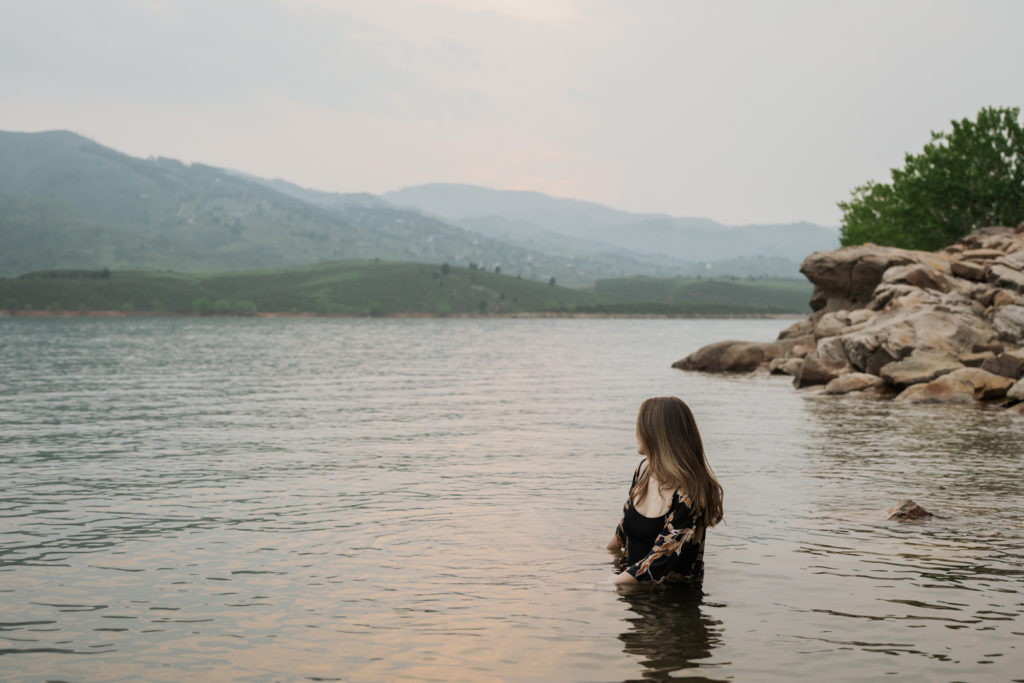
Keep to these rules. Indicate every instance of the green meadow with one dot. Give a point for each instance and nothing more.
(390, 288)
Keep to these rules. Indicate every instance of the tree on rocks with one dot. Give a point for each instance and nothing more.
(970, 177)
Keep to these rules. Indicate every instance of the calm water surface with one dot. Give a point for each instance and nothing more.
(202, 499)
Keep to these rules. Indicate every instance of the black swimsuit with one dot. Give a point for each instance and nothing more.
(667, 548)
(641, 532)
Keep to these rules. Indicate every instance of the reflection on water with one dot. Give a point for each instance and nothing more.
(668, 632)
(429, 500)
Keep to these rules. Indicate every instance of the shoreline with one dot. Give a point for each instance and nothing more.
(284, 314)
(902, 325)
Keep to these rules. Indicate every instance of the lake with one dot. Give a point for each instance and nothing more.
(389, 499)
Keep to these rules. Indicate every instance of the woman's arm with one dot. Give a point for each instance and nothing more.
(624, 579)
(619, 539)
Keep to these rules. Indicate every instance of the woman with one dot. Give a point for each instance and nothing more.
(673, 499)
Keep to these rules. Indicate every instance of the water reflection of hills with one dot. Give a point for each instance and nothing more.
(669, 631)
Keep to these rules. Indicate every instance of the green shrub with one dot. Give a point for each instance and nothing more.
(202, 306)
(965, 179)
(245, 307)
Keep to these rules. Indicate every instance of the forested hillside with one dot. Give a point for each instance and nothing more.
(67, 202)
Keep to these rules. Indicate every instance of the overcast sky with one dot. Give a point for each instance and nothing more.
(742, 112)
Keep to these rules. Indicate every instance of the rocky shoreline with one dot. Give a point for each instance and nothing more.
(913, 326)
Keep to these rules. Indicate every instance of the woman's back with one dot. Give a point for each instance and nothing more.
(664, 547)
(673, 499)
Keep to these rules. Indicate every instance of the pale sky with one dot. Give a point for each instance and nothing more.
(741, 111)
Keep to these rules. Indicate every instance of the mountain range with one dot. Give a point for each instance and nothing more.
(540, 221)
(69, 202)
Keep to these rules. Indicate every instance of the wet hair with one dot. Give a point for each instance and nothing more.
(675, 456)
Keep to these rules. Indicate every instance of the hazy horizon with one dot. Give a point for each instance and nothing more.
(741, 112)
(382, 195)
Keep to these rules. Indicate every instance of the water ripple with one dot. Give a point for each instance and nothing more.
(429, 500)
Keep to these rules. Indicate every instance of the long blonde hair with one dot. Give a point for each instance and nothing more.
(675, 456)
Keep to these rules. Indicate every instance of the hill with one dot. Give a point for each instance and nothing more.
(69, 203)
(577, 227)
(384, 288)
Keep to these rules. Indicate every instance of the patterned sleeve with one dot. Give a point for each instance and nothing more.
(677, 546)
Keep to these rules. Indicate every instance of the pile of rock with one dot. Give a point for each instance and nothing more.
(923, 327)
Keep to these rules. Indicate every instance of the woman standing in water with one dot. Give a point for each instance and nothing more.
(673, 499)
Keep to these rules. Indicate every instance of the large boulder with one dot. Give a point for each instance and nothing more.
(845, 278)
(923, 365)
(790, 346)
(919, 275)
(801, 328)
(969, 269)
(785, 366)
(987, 386)
(893, 335)
(996, 238)
(726, 356)
(854, 381)
(1016, 392)
(1009, 363)
(972, 264)
(1007, 271)
(1003, 297)
(831, 324)
(1002, 276)
(981, 254)
(1008, 322)
(895, 295)
(801, 350)
(995, 346)
(976, 360)
(942, 390)
(824, 364)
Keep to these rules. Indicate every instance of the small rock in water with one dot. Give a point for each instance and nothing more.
(908, 511)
